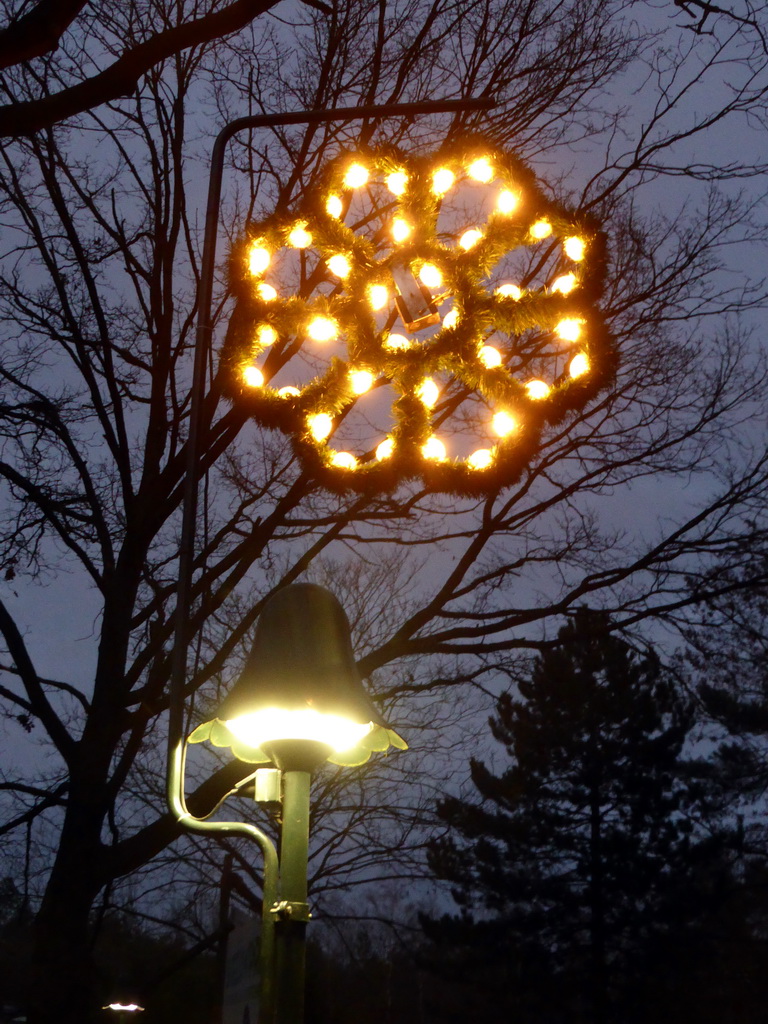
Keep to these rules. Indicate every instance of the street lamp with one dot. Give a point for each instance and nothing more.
(298, 703)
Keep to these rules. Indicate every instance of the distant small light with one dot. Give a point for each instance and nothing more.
(266, 334)
(339, 265)
(564, 284)
(289, 392)
(434, 449)
(490, 357)
(253, 376)
(509, 291)
(541, 229)
(397, 342)
(451, 318)
(334, 206)
(356, 176)
(537, 389)
(504, 424)
(378, 296)
(258, 259)
(480, 459)
(385, 449)
(507, 201)
(401, 229)
(470, 238)
(361, 381)
(299, 237)
(344, 460)
(574, 248)
(430, 275)
(579, 365)
(266, 292)
(320, 425)
(568, 330)
(428, 392)
(442, 179)
(397, 182)
(481, 170)
(322, 328)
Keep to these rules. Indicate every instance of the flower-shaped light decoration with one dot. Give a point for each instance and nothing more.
(419, 317)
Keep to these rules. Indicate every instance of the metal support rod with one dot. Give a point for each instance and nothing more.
(292, 910)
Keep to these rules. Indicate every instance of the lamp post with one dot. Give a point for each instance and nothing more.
(298, 703)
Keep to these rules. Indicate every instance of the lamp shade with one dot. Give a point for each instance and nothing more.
(300, 685)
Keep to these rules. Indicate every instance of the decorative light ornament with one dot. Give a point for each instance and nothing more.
(442, 179)
(361, 381)
(322, 328)
(397, 182)
(299, 237)
(434, 449)
(320, 425)
(579, 365)
(574, 248)
(480, 459)
(339, 265)
(357, 175)
(470, 238)
(401, 229)
(253, 377)
(481, 170)
(406, 280)
(258, 259)
(344, 460)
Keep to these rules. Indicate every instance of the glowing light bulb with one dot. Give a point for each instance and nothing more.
(401, 229)
(434, 449)
(378, 296)
(344, 460)
(490, 357)
(442, 179)
(266, 292)
(320, 425)
(258, 259)
(356, 176)
(541, 229)
(574, 248)
(507, 201)
(259, 727)
(430, 275)
(451, 318)
(481, 170)
(397, 342)
(289, 392)
(579, 365)
(504, 424)
(564, 284)
(568, 330)
(339, 265)
(509, 291)
(266, 334)
(385, 449)
(334, 206)
(396, 182)
(322, 328)
(537, 389)
(299, 237)
(428, 392)
(470, 238)
(361, 381)
(480, 459)
(253, 376)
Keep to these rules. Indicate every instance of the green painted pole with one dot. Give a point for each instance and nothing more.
(292, 911)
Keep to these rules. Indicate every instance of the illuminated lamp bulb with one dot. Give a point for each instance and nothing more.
(481, 170)
(289, 392)
(322, 328)
(490, 357)
(385, 449)
(504, 423)
(509, 291)
(266, 334)
(430, 275)
(344, 460)
(574, 248)
(356, 176)
(396, 182)
(378, 296)
(258, 259)
(579, 365)
(537, 389)
(334, 206)
(320, 425)
(361, 381)
(266, 292)
(401, 229)
(564, 284)
(507, 201)
(451, 318)
(541, 229)
(470, 238)
(339, 265)
(434, 449)
(397, 342)
(428, 392)
(253, 376)
(480, 459)
(442, 179)
(568, 330)
(299, 237)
